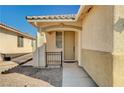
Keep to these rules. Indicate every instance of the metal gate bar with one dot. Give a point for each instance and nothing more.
(53, 59)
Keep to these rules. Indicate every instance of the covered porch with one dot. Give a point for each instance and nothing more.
(58, 40)
(65, 42)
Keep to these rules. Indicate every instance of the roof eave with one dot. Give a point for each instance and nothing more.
(34, 20)
(16, 31)
(80, 12)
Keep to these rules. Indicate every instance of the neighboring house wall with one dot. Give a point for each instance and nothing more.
(33, 45)
(9, 44)
(97, 44)
(1, 57)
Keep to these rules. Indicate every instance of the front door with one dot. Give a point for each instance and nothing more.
(69, 45)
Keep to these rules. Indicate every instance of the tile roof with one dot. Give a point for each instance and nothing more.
(52, 17)
(4, 26)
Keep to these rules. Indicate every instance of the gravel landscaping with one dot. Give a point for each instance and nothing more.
(20, 80)
(50, 75)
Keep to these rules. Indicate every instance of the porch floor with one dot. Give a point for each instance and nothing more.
(74, 76)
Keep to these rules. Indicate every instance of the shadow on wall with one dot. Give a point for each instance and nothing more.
(119, 25)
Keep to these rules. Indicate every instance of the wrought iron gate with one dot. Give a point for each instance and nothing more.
(54, 59)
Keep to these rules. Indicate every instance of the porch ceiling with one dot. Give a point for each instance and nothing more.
(61, 27)
(45, 24)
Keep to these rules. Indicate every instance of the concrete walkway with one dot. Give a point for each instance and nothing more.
(74, 76)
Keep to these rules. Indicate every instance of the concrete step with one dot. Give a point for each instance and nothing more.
(6, 65)
(23, 59)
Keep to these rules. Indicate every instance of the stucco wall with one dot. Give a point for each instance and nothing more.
(118, 29)
(78, 47)
(97, 44)
(118, 51)
(99, 66)
(8, 43)
(51, 42)
(1, 57)
(97, 29)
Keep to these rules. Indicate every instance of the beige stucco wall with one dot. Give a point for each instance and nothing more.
(1, 57)
(8, 43)
(118, 50)
(78, 47)
(97, 29)
(97, 44)
(51, 42)
(118, 29)
(99, 66)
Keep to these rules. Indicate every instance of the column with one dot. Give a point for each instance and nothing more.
(39, 55)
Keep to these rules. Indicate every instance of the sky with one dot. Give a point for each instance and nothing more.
(14, 16)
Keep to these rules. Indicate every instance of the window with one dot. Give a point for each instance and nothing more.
(20, 41)
(59, 39)
(32, 43)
